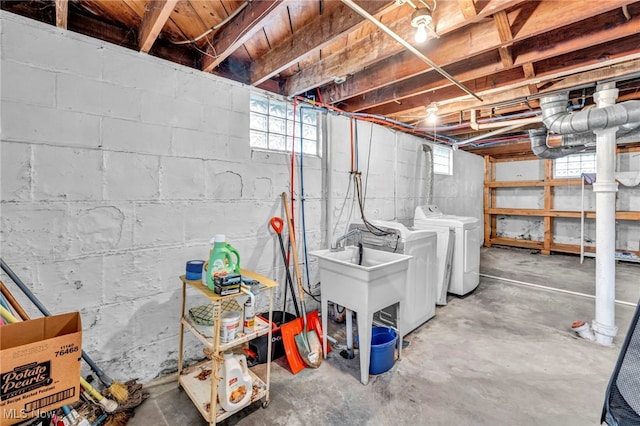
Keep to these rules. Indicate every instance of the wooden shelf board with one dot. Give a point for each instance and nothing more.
(199, 390)
(514, 242)
(532, 183)
(204, 333)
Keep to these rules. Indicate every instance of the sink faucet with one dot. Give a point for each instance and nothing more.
(336, 246)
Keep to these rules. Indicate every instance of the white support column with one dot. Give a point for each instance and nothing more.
(605, 188)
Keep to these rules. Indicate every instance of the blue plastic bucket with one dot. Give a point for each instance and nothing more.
(383, 345)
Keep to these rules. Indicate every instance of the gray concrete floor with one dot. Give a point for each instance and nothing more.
(503, 355)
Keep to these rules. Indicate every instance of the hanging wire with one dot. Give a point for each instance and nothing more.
(213, 28)
(304, 229)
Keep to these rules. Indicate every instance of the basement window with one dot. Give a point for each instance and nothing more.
(574, 165)
(271, 125)
(442, 160)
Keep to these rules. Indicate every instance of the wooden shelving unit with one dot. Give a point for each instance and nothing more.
(547, 213)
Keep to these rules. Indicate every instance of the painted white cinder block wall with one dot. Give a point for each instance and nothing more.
(118, 167)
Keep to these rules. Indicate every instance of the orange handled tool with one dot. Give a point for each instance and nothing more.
(278, 225)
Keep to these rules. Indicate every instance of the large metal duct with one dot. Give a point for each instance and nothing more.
(558, 120)
(541, 149)
(604, 121)
(627, 133)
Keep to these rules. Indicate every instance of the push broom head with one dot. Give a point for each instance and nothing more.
(119, 391)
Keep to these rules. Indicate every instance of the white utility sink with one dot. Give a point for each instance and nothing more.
(379, 281)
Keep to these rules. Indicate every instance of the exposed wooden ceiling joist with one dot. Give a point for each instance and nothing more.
(62, 12)
(468, 8)
(156, 15)
(461, 46)
(563, 53)
(233, 35)
(447, 18)
(559, 81)
(315, 35)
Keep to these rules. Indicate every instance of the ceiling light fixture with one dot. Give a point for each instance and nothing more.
(432, 113)
(421, 19)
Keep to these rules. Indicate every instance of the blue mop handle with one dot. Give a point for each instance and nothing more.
(101, 375)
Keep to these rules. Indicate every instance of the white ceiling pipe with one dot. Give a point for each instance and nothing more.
(496, 132)
(498, 124)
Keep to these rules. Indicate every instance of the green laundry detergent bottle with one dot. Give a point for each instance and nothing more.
(221, 261)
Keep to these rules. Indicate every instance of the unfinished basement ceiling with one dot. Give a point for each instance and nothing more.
(508, 53)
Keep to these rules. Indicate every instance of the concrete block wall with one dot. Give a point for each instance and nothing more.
(396, 178)
(117, 167)
(569, 198)
(461, 193)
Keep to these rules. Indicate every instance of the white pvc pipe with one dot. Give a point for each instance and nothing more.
(554, 289)
(500, 124)
(582, 220)
(605, 188)
(349, 324)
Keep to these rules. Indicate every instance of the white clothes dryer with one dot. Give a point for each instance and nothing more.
(465, 264)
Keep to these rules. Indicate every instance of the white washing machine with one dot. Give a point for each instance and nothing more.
(419, 304)
(465, 265)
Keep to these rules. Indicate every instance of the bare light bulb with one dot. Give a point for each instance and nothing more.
(432, 114)
(421, 33)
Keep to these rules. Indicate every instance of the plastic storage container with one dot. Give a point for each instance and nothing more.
(229, 324)
(235, 389)
(383, 345)
(194, 269)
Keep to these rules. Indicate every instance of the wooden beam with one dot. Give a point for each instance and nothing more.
(233, 35)
(156, 14)
(488, 178)
(530, 73)
(478, 38)
(567, 78)
(548, 206)
(513, 242)
(92, 27)
(379, 45)
(505, 56)
(317, 34)
(419, 81)
(445, 92)
(62, 13)
(547, 69)
(501, 21)
(494, 201)
(534, 183)
(620, 215)
(500, 151)
(468, 8)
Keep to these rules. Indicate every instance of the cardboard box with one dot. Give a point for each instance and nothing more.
(39, 366)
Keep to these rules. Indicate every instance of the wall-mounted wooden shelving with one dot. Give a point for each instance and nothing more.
(547, 213)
